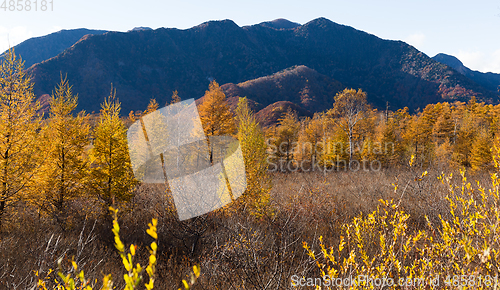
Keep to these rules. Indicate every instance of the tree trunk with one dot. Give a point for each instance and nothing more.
(350, 146)
(3, 203)
(2, 209)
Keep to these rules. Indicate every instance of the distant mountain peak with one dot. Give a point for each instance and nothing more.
(140, 28)
(323, 25)
(450, 60)
(321, 22)
(491, 81)
(298, 84)
(39, 49)
(280, 23)
(226, 23)
(146, 65)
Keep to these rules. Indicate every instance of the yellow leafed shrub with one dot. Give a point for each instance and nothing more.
(461, 250)
(133, 276)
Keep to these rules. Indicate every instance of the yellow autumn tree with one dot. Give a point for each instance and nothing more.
(444, 134)
(466, 133)
(214, 112)
(61, 177)
(418, 136)
(152, 106)
(19, 123)
(481, 157)
(285, 138)
(387, 146)
(445, 127)
(216, 117)
(312, 139)
(253, 147)
(366, 129)
(111, 176)
(349, 108)
(175, 98)
(336, 153)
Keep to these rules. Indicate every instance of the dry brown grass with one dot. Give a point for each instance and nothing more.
(235, 250)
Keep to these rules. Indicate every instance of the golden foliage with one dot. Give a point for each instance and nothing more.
(214, 112)
(111, 176)
(461, 250)
(64, 139)
(134, 274)
(253, 147)
(19, 122)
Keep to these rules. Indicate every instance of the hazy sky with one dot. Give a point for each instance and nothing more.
(469, 30)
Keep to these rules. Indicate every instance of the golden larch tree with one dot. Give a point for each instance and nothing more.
(175, 98)
(253, 147)
(481, 153)
(111, 176)
(466, 134)
(19, 123)
(286, 135)
(312, 138)
(387, 142)
(445, 127)
(214, 112)
(418, 135)
(65, 137)
(336, 153)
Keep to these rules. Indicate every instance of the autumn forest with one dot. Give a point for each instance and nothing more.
(351, 191)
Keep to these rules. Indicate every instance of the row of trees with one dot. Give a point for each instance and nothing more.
(444, 134)
(218, 120)
(49, 162)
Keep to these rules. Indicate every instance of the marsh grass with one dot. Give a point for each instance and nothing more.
(235, 250)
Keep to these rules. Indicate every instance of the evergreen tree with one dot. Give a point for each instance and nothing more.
(19, 123)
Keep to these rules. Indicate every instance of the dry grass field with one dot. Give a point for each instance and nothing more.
(235, 250)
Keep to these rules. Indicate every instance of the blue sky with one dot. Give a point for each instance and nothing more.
(469, 30)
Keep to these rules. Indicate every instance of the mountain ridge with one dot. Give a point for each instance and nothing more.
(300, 85)
(280, 23)
(153, 63)
(489, 80)
(38, 49)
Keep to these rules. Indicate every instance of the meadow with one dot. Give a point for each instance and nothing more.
(236, 250)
